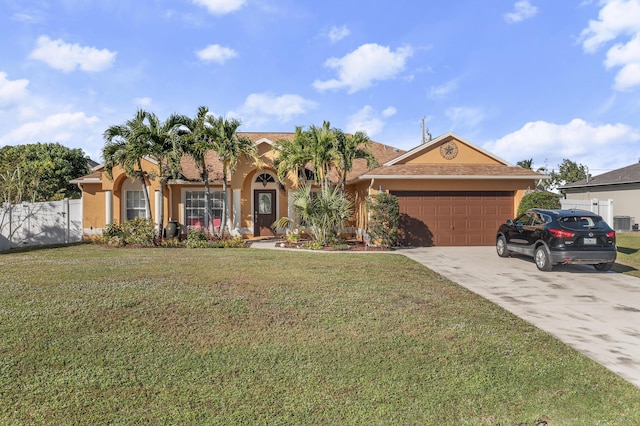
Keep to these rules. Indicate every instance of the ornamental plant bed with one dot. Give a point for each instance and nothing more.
(349, 246)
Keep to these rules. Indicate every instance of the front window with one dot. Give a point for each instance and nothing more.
(136, 205)
(195, 208)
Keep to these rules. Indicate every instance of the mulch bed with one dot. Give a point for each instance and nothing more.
(353, 246)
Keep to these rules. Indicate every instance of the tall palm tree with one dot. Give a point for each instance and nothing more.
(162, 142)
(351, 148)
(196, 141)
(322, 152)
(123, 148)
(314, 147)
(230, 149)
(292, 157)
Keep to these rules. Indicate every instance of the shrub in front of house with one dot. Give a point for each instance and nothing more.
(139, 231)
(384, 218)
(539, 200)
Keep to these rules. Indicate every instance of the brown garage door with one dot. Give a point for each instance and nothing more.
(452, 218)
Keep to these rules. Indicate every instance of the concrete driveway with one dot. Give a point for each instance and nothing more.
(596, 313)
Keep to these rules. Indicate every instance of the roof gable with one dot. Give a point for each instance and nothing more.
(433, 152)
(624, 175)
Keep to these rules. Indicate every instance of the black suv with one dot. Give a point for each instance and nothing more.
(559, 236)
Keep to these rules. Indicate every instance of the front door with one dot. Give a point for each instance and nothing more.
(264, 211)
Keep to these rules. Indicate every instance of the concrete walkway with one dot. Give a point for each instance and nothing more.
(596, 313)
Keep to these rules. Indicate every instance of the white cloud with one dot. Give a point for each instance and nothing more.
(220, 7)
(216, 53)
(617, 18)
(444, 89)
(143, 102)
(522, 10)
(626, 56)
(389, 111)
(67, 57)
(360, 68)
(462, 117)
(259, 108)
(338, 33)
(61, 127)
(368, 120)
(577, 141)
(27, 18)
(12, 91)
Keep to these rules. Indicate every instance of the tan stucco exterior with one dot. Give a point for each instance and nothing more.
(423, 168)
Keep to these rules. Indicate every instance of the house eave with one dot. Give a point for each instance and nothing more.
(594, 185)
(192, 182)
(448, 177)
(82, 181)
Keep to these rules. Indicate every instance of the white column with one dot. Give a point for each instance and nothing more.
(237, 197)
(108, 203)
(158, 204)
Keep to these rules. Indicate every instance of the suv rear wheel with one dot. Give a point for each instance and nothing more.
(543, 259)
(603, 267)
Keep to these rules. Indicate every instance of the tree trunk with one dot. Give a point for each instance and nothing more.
(207, 203)
(161, 212)
(145, 189)
(223, 219)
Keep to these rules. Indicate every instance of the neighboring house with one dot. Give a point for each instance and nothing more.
(621, 185)
(451, 192)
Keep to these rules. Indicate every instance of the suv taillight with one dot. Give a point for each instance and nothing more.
(611, 234)
(559, 233)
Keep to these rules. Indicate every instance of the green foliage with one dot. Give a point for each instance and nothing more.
(539, 199)
(321, 148)
(341, 246)
(113, 230)
(384, 218)
(139, 231)
(40, 172)
(323, 213)
(171, 243)
(197, 241)
(568, 172)
(313, 245)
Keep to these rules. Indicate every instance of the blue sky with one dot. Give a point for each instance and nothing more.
(541, 79)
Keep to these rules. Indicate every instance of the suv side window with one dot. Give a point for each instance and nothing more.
(524, 219)
(537, 220)
(529, 219)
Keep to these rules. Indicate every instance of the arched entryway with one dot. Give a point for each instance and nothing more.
(265, 204)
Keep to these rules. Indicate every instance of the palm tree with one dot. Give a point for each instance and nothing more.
(196, 142)
(526, 164)
(314, 147)
(351, 148)
(162, 142)
(292, 157)
(230, 149)
(123, 148)
(322, 152)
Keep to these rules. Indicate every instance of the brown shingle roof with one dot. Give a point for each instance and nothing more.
(452, 171)
(383, 153)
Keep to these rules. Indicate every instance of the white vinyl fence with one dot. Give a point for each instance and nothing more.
(602, 207)
(30, 224)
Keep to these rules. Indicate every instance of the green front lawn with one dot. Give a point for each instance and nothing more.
(628, 260)
(93, 335)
